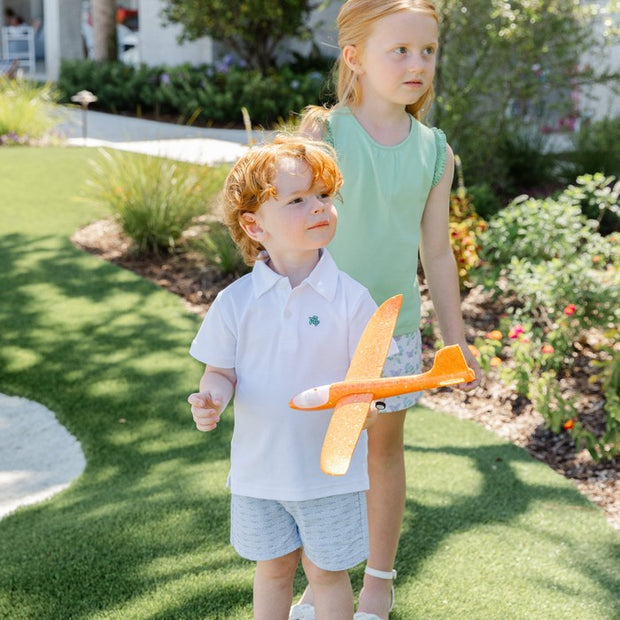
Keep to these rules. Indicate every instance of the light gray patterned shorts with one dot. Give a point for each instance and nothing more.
(333, 531)
(408, 361)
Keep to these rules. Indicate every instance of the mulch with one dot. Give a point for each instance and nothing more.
(493, 404)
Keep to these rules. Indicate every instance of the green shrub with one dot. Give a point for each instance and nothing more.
(596, 148)
(154, 199)
(202, 94)
(26, 111)
(598, 197)
(485, 200)
(525, 161)
(560, 278)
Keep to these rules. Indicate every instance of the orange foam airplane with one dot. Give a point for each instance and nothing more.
(363, 384)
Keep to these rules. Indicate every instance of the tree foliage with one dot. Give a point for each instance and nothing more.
(253, 29)
(509, 65)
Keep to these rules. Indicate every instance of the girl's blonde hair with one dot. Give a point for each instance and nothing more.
(355, 22)
(250, 182)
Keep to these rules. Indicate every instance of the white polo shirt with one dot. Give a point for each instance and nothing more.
(281, 341)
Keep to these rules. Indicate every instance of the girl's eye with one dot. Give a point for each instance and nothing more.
(401, 50)
(295, 201)
(324, 196)
(429, 51)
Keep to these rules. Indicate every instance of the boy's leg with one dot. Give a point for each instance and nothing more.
(386, 505)
(331, 590)
(273, 587)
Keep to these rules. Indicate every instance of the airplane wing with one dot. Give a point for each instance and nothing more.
(351, 411)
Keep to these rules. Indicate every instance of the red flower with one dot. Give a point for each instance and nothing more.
(569, 424)
(570, 309)
(547, 349)
(515, 332)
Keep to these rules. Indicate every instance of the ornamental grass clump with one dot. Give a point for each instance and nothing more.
(559, 280)
(154, 199)
(26, 111)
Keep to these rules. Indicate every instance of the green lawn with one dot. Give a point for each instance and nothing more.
(489, 532)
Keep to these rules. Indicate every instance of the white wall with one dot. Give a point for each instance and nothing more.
(601, 102)
(159, 46)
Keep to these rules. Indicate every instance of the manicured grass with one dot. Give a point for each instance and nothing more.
(488, 532)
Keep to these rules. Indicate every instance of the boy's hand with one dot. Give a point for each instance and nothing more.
(206, 409)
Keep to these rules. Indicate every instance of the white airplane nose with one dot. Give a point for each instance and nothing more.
(311, 399)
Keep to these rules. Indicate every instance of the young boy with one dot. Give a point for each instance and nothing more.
(292, 323)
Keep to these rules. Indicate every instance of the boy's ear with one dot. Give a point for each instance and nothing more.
(250, 226)
(351, 57)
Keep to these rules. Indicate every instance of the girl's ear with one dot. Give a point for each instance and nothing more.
(251, 227)
(351, 57)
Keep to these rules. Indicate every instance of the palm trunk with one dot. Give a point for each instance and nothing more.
(104, 29)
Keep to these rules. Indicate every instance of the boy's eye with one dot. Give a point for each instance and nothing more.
(324, 196)
(429, 51)
(401, 50)
(295, 201)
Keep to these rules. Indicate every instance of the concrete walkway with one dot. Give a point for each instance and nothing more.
(181, 142)
(38, 456)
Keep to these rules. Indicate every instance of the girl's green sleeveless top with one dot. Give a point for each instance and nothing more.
(382, 201)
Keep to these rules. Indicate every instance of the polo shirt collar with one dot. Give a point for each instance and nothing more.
(323, 279)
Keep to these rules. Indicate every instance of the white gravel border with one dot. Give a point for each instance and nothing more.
(38, 456)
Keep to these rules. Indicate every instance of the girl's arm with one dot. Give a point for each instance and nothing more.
(440, 267)
(216, 389)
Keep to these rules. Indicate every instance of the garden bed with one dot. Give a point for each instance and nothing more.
(493, 405)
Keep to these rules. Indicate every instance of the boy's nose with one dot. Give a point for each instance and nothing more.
(318, 205)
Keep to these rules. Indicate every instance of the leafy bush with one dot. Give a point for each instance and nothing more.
(203, 94)
(485, 200)
(153, 198)
(561, 279)
(596, 148)
(598, 197)
(26, 111)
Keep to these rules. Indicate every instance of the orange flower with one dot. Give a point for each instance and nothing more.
(547, 349)
(474, 350)
(494, 335)
(596, 258)
(569, 424)
(495, 361)
(570, 309)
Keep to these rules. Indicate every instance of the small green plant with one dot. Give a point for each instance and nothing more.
(154, 199)
(26, 111)
(219, 248)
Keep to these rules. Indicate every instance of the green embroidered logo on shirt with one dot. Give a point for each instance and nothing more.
(313, 320)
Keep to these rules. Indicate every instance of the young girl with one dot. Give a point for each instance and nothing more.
(395, 202)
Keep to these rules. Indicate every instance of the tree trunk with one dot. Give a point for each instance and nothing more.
(104, 29)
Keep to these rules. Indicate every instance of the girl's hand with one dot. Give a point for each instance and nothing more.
(473, 364)
(206, 409)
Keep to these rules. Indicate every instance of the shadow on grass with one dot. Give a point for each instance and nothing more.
(108, 353)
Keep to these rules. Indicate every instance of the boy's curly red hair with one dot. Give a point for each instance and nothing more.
(250, 182)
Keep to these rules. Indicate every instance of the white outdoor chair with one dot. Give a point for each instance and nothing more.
(18, 44)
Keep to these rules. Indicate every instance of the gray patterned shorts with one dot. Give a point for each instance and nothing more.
(408, 361)
(333, 531)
